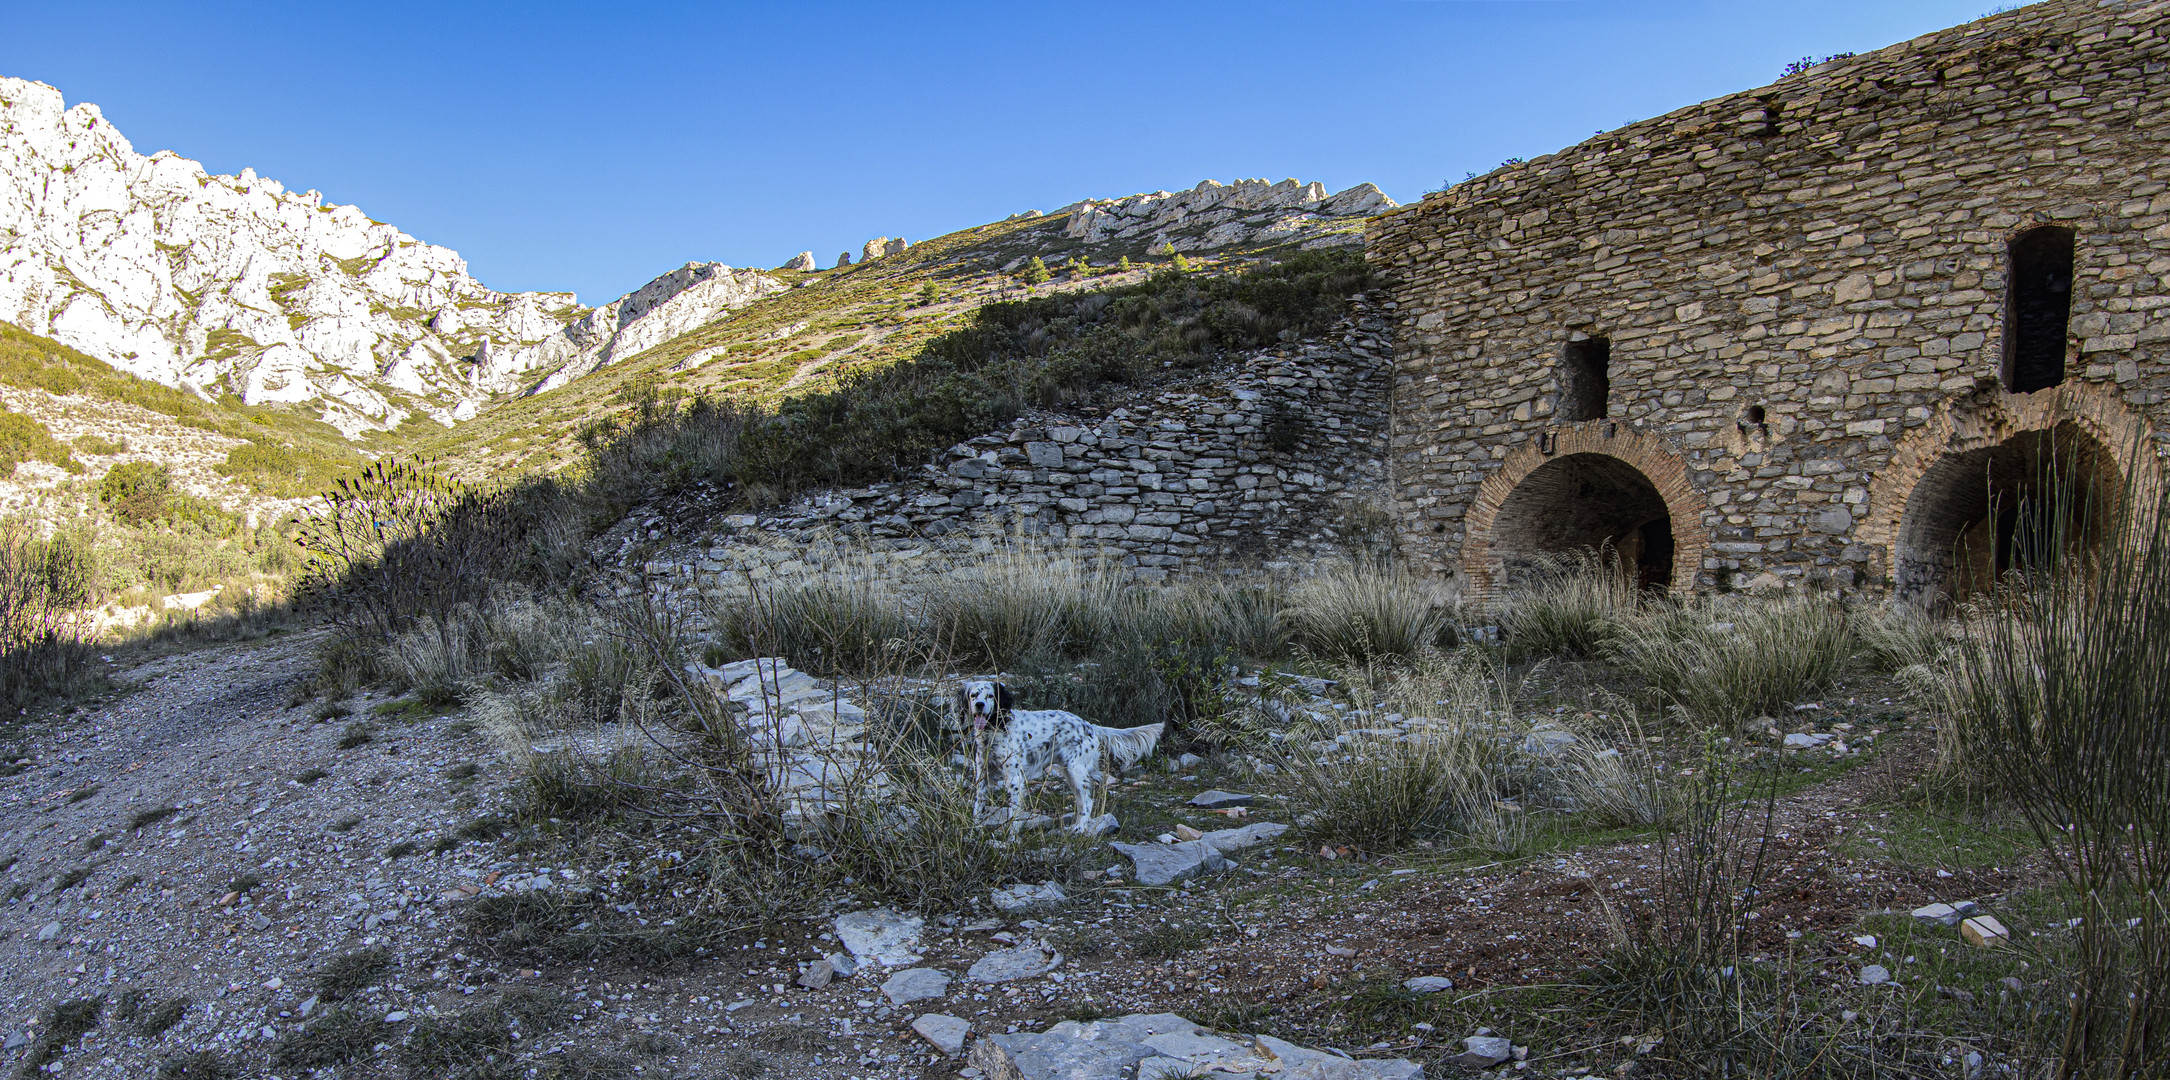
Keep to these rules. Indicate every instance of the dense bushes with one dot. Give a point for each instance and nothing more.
(398, 542)
(42, 583)
(24, 439)
(136, 491)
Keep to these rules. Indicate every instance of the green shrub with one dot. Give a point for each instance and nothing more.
(1036, 272)
(136, 492)
(24, 439)
(42, 648)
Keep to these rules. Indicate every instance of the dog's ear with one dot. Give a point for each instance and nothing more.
(959, 708)
(1005, 697)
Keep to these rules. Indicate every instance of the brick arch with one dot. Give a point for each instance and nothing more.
(1947, 468)
(1632, 473)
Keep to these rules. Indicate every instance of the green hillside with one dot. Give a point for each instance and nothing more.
(831, 324)
(289, 452)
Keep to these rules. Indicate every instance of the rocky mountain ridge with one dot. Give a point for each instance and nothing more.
(1216, 215)
(237, 285)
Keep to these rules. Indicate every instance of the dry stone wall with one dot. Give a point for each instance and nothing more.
(1277, 459)
(1753, 342)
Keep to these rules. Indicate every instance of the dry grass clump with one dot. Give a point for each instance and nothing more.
(1358, 611)
(1360, 779)
(1245, 618)
(1568, 605)
(1726, 660)
(1896, 637)
(1614, 787)
(845, 619)
(1028, 600)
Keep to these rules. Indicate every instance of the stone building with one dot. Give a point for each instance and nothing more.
(1826, 333)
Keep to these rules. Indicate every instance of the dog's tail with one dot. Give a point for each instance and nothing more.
(1128, 745)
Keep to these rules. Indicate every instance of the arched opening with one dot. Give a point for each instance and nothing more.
(2037, 308)
(1585, 379)
(1585, 502)
(2036, 497)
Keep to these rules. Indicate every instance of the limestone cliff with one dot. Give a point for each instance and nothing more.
(234, 284)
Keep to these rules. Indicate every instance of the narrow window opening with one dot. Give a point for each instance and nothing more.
(2037, 307)
(1585, 382)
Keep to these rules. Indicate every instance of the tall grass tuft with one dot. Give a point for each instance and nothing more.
(1357, 611)
(1380, 788)
(1029, 601)
(1568, 605)
(838, 621)
(1723, 661)
(1681, 967)
(2060, 685)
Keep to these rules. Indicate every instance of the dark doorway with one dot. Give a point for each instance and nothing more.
(2037, 308)
(1585, 502)
(1585, 379)
(2036, 498)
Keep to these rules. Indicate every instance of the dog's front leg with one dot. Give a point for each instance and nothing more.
(979, 777)
(1013, 778)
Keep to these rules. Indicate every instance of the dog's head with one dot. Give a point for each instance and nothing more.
(980, 703)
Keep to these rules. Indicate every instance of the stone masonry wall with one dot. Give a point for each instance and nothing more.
(1278, 458)
(1803, 288)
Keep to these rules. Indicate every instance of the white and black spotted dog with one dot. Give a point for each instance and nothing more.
(1026, 743)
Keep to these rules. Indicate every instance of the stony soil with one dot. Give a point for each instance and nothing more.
(273, 862)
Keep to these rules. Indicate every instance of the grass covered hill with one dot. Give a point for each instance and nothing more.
(835, 325)
(275, 451)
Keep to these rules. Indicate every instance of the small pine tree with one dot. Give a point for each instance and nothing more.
(1168, 248)
(1036, 272)
(1079, 268)
(1124, 265)
(1182, 265)
(929, 293)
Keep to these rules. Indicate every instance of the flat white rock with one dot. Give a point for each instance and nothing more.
(881, 936)
(947, 1033)
(1145, 1045)
(916, 984)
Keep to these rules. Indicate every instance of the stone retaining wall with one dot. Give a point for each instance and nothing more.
(1277, 459)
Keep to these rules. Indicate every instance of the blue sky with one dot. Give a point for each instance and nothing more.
(592, 147)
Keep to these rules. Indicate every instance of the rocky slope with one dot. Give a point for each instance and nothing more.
(234, 284)
(1215, 215)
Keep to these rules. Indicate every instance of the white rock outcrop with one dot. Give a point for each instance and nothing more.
(880, 246)
(802, 261)
(234, 284)
(1214, 215)
(684, 299)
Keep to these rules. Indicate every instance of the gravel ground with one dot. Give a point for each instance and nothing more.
(198, 839)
